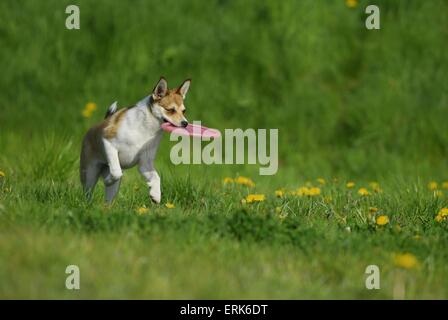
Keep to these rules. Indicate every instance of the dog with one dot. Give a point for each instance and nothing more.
(129, 137)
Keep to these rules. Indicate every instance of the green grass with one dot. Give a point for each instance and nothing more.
(350, 104)
(213, 246)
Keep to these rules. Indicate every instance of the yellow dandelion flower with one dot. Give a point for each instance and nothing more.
(279, 193)
(442, 215)
(314, 191)
(433, 185)
(445, 185)
(228, 180)
(303, 191)
(373, 209)
(142, 210)
(91, 106)
(255, 198)
(350, 184)
(2, 174)
(88, 110)
(245, 181)
(321, 181)
(351, 3)
(382, 220)
(328, 199)
(405, 260)
(375, 186)
(363, 192)
(170, 205)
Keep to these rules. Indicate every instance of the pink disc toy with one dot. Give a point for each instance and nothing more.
(192, 130)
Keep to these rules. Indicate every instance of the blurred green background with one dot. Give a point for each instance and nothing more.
(347, 101)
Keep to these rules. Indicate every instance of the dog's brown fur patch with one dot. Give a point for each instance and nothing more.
(113, 123)
(172, 98)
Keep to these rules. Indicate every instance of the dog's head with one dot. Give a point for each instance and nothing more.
(168, 104)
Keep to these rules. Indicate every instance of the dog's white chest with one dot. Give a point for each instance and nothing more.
(129, 151)
(135, 139)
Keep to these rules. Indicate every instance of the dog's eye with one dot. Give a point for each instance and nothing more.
(172, 110)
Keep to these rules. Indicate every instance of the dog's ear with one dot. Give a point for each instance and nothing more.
(160, 89)
(183, 89)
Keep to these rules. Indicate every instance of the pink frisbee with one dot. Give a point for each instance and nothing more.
(192, 130)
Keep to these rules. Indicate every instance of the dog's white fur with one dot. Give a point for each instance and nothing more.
(134, 141)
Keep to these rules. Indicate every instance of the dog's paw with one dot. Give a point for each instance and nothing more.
(155, 196)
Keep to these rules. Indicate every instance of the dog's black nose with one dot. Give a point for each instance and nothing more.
(184, 123)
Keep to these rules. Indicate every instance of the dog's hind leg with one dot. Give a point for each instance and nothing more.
(90, 168)
(89, 177)
(111, 187)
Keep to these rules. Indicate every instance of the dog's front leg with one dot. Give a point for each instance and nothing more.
(152, 180)
(148, 171)
(115, 172)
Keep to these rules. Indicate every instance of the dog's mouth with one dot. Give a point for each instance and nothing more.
(165, 120)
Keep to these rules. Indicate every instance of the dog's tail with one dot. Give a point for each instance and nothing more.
(112, 109)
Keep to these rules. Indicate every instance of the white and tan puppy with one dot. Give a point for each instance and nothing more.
(129, 137)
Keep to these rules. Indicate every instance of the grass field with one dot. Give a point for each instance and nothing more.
(351, 105)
